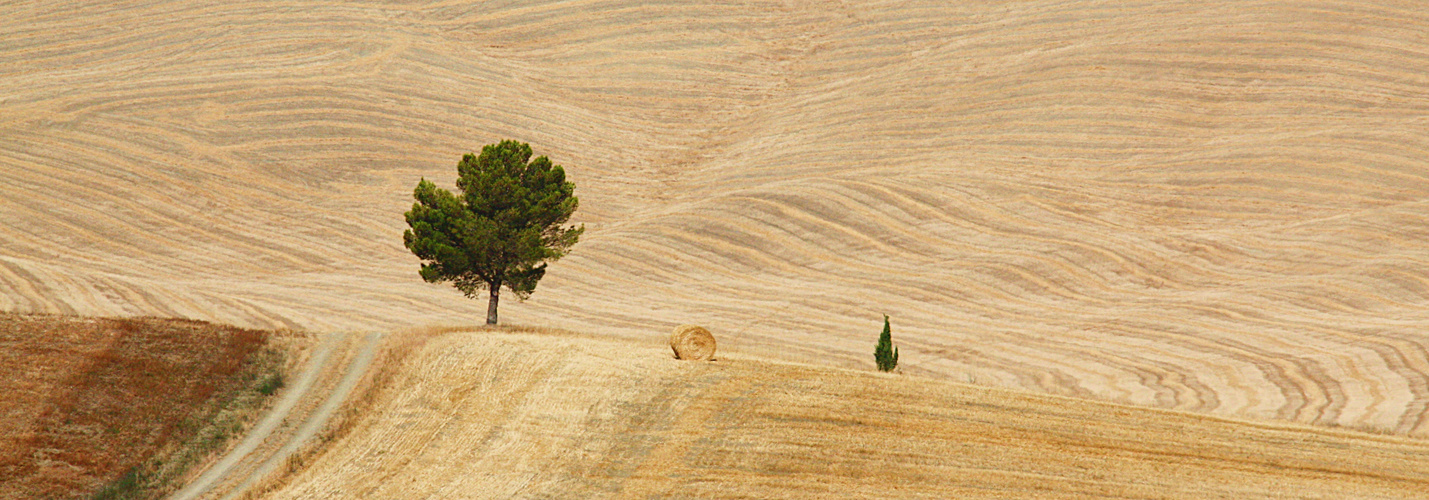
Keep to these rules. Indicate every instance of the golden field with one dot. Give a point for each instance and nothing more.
(540, 414)
(1211, 207)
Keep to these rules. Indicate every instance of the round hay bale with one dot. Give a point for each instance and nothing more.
(693, 343)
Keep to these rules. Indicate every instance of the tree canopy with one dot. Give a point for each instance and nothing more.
(507, 223)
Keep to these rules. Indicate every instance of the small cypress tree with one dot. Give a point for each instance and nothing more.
(885, 354)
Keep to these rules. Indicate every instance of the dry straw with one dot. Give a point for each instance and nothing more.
(693, 343)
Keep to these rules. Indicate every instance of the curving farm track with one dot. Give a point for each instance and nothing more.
(305, 409)
(1203, 205)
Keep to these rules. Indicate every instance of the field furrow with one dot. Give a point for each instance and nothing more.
(1209, 206)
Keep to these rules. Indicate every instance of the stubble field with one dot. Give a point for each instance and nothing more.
(541, 414)
(1217, 207)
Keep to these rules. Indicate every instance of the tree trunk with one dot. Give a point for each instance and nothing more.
(495, 288)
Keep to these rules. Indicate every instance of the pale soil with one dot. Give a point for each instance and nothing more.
(1202, 205)
(492, 414)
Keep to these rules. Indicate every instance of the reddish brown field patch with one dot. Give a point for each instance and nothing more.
(89, 399)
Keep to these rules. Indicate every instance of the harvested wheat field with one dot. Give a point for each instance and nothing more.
(522, 414)
(1209, 206)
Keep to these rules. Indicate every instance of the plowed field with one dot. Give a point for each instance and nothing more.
(521, 415)
(1201, 205)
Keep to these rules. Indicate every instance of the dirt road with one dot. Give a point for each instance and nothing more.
(316, 393)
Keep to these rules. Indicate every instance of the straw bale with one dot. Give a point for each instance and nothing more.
(691, 342)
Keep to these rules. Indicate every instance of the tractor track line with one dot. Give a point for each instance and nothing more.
(250, 449)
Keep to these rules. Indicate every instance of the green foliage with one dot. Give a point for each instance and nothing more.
(271, 384)
(129, 485)
(885, 354)
(502, 229)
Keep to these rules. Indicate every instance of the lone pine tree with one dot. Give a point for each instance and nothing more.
(505, 226)
(885, 354)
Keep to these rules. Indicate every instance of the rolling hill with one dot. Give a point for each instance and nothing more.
(540, 414)
(1209, 206)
